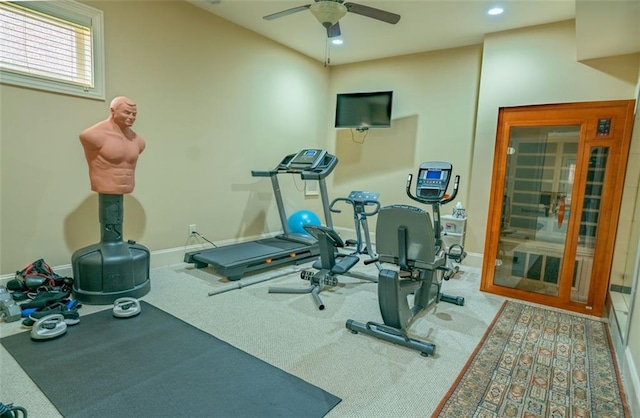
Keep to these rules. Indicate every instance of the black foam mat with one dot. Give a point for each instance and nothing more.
(156, 365)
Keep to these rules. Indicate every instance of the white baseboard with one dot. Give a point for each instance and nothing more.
(473, 260)
(632, 383)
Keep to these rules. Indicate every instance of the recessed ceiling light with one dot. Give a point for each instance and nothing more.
(337, 41)
(495, 11)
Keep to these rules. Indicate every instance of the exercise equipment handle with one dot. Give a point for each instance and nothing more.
(408, 190)
(408, 187)
(373, 211)
(371, 260)
(354, 204)
(336, 200)
(456, 183)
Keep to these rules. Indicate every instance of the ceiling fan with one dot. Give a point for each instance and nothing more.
(329, 12)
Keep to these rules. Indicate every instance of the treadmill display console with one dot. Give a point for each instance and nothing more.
(433, 180)
(307, 159)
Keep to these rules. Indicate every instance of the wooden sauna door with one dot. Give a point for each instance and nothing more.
(555, 200)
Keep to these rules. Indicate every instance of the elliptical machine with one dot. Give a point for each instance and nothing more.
(406, 237)
(364, 204)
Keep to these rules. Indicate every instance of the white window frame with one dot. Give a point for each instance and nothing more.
(77, 13)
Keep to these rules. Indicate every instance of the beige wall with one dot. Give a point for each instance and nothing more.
(632, 351)
(435, 96)
(626, 245)
(632, 354)
(534, 66)
(215, 101)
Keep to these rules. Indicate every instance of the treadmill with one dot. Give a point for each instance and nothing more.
(233, 261)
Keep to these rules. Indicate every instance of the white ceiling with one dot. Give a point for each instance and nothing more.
(428, 25)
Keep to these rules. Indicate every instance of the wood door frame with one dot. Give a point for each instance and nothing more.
(586, 115)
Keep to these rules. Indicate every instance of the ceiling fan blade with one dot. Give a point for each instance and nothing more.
(373, 13)
(334, 31)
(286, 12)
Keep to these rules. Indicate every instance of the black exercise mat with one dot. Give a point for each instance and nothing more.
(156, 365)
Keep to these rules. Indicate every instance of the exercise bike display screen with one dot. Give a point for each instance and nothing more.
(433, 174)
(432, 182)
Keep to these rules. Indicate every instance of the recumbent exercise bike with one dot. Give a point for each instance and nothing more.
(406, 237)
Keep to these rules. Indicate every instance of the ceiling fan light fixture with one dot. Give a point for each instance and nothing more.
(327, 12)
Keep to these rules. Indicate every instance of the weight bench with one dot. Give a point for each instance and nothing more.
(330, 264)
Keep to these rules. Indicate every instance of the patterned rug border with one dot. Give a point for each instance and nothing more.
(466, 366)
(490, 328)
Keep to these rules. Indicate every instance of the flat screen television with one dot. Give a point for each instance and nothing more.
(364, 110)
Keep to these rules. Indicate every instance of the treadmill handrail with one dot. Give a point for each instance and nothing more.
(263, 173)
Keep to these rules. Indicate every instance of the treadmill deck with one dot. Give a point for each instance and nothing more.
(232, 261)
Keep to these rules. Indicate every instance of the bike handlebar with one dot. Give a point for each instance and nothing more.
(456, 183)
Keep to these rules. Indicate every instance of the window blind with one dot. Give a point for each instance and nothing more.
(45, 46)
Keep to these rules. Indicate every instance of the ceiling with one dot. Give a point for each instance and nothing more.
(429, 25)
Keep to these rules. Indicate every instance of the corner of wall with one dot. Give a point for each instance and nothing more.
(631, 383)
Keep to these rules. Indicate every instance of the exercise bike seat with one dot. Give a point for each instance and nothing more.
(420, 251)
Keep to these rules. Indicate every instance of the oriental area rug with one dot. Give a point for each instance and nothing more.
(539, 362)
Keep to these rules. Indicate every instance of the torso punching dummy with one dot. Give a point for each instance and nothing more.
(112, 269)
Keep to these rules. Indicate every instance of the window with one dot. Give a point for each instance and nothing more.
(53, 46)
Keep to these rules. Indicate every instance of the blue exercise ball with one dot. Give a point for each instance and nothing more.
(299, 219)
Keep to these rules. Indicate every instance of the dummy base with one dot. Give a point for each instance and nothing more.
(108, 271)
